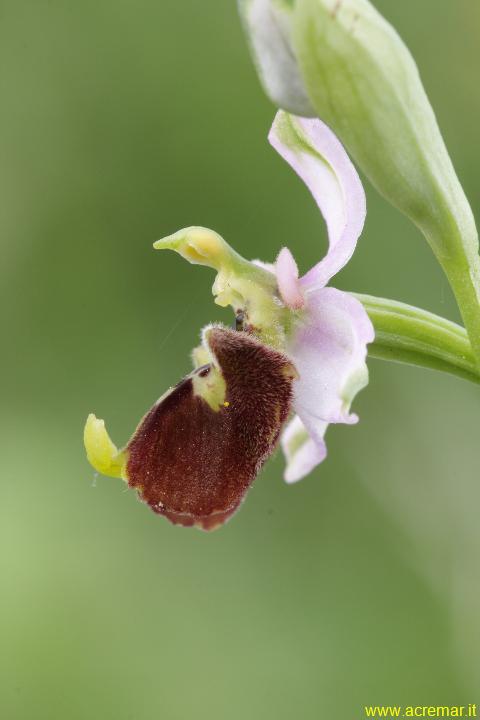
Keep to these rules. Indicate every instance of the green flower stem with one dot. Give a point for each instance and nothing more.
(464, 278)
(410, 335)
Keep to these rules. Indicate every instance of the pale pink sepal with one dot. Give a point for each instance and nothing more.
(329, 348)
(301, 451)
(318, 157)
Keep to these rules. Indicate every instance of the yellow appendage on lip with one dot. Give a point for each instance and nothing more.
(102, 454)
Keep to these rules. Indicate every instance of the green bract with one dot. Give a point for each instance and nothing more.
(360, 78)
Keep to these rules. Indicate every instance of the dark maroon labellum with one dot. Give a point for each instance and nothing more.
(193, 463)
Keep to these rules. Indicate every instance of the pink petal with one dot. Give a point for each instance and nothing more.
(301, 451)
(287, 278)
(318, 157)
(329, 347)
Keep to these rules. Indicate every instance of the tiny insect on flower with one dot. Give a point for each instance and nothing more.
(298, 350)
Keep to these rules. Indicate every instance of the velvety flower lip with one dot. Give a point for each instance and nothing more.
(298, 352)
(196, 452)
(329, 336)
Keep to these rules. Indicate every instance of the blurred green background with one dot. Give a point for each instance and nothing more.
(121, 122)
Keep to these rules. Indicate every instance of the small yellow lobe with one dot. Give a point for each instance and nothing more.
(226, 404)
(101, 452)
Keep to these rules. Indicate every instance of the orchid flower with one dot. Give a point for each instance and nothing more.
(298, 351)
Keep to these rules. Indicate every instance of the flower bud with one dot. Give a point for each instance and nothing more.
(268, 25)
(362, 81)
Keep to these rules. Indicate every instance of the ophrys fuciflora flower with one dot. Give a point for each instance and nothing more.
(291, 367)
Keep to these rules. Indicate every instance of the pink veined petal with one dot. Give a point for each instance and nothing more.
(302, 452)
(329, 347)
(318, 157)
(287, 278)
